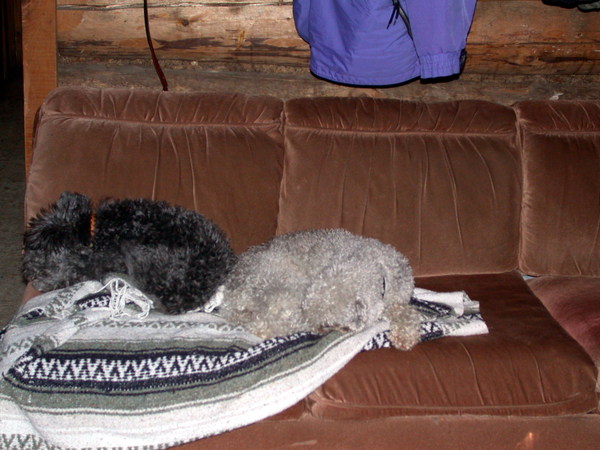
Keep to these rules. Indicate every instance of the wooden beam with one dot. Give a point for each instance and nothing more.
(39, 62)
(247, 33)
(500, 89)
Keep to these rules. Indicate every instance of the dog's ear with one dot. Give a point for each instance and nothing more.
(64, 224)
(57, 244)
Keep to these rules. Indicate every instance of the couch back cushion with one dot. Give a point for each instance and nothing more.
(219, 154)
(440, 182)
(561, 187)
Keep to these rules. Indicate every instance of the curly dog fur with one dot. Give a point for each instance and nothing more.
(174, 255)
(321, 280)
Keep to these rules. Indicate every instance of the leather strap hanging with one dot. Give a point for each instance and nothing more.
(157, 68)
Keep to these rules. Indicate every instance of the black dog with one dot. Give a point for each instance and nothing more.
(174, 255)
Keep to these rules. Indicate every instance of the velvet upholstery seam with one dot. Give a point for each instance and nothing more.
(411, 132)
(158, 123)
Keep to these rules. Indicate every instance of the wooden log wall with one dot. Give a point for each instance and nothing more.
(238, 35)
(518, 49)
(507, 36)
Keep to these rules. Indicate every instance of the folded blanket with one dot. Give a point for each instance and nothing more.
(93, 366)
(447, 314)
(82, 367)
(442, 314)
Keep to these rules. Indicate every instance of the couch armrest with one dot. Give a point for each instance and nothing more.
(29, 293)
(559, 141)
(575, 304)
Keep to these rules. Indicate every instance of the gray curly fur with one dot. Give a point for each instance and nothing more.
(175, 255)
(321, 280)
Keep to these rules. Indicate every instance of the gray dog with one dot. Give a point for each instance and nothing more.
(317, 281)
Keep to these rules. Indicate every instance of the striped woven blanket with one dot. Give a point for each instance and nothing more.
(81, 370)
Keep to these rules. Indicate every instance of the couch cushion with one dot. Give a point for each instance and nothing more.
(575, 303)
(526, 365)
(448, 432)
(560, 141)
(220, 154)
(440, 182)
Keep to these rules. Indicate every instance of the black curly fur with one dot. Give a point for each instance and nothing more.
(175, 255)
(56, 251)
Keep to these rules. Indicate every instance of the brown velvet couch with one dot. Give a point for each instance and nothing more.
(475, 194)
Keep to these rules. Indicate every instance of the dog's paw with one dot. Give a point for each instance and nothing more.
(405, 328)
(403, 338)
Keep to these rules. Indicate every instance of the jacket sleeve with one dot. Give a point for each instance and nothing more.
(439, 29)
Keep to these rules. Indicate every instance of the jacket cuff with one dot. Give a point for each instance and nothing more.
(440, 65)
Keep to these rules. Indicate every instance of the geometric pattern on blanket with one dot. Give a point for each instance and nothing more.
(77, 375)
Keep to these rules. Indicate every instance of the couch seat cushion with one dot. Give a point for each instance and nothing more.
(526, 365)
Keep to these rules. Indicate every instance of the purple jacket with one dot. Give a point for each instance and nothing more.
(351, 42)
